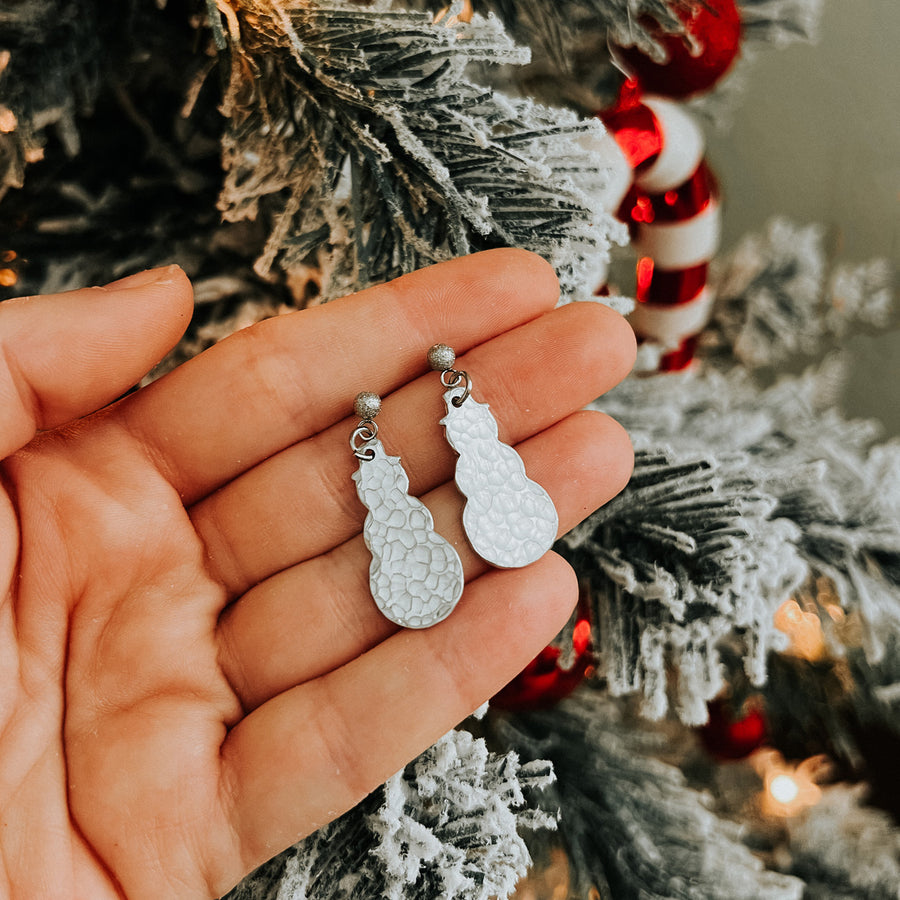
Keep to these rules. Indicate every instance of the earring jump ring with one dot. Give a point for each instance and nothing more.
(364, 432)
(451, 378)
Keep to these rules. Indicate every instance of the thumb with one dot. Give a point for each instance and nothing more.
(65, 355)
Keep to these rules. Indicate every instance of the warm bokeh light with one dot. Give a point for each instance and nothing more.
(804, 630)
(8, 120)
(548, 882)
(784, 788)
(789, 789)
(8, 278)
(644, 271)
(643, 211)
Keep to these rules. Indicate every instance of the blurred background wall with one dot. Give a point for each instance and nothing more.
(816, 138)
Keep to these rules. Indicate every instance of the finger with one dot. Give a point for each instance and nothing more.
(313, 752)
(301, 502)
(284, 379)
(311, 619)
(65, 355)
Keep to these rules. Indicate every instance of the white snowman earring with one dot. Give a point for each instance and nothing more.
(509, 519)
(416, 576)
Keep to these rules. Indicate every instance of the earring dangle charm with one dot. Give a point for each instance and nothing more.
(509, 519)
(416, 576)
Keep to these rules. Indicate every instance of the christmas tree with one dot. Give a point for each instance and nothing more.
(719, 717)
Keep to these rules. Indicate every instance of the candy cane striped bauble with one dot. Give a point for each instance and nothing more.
(672, 209)
(691, 61)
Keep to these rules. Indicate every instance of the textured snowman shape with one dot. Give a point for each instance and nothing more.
(416, 576)
(510, 520)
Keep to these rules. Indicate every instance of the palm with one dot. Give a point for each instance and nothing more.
(193, 673)
(143, 703)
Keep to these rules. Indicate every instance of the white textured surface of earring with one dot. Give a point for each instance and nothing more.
(509, 519)
(416, 576)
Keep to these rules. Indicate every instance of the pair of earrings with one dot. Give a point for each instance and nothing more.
(416, 576)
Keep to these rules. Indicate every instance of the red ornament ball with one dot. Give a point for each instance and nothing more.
(542, 683)
(696, 59)
(730, 736)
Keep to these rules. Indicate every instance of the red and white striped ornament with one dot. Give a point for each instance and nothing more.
(672, 209)
(671, 202)
(692, 60)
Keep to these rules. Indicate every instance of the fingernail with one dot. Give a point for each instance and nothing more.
(159, 275)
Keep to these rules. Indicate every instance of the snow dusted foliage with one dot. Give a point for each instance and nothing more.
(631, 826)
(569, 40)
(856, 542)
(843, 848)
(354, 131)
(779, 22)
(776, 299)
(449, 830)
(688, 554)
(574, 22)
(740, 494)
(446, 826)
(560, 29)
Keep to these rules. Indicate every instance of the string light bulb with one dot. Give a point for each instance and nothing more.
(784, 789)
(789, 789)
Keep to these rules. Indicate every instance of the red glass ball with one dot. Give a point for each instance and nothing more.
(696, 59)
(730, 736)
(542, 683)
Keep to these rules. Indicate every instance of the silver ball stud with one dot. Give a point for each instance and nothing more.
(441, 357)
(367, 405)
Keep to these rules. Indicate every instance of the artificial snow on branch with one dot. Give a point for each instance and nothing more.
(570, 41)
(741, 493)
(559, 26)
(845, 849)
(631, 825)
(687, 554)
(355, 131)
(776, 299)
(133, 181)
(446, 826)
(779, 22)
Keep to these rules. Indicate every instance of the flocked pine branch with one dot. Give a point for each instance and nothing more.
(569, 40)
(356, 131)
(776, 299)
(446, 826)
(688, 554)
(559, 27)
(856, 544)
(133, 183)
(779, 22)
(846, 850)
(740, 494)
(630, 824)
(49, 73)
(471, 168)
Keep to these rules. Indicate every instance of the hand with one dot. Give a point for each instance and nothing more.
(193, 674)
